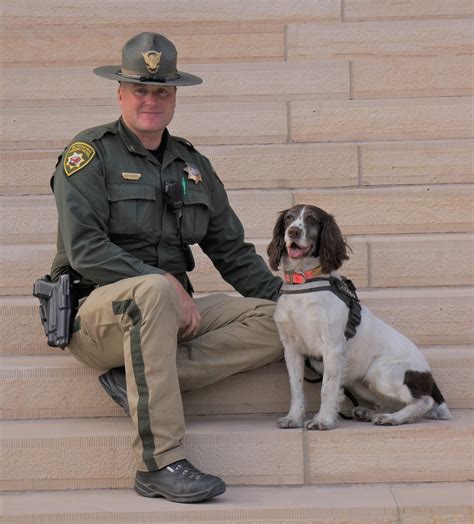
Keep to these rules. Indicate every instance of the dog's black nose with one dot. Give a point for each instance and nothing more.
(294, 232)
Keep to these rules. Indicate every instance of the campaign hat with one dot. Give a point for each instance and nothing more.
(149, 58)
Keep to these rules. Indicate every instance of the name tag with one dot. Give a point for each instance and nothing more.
(131, 176)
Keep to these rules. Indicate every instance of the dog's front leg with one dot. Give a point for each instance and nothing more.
(295, 365)
(332, 383)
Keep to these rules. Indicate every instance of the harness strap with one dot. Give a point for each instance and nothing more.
(342, 288)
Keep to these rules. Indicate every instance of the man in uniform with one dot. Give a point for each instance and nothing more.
(131, 198)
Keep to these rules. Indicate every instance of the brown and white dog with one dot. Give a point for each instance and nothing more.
(378, 363)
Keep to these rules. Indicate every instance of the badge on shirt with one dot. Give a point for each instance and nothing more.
(78, 156)
(193, 173)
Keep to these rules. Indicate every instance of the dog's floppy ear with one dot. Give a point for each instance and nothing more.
(332, 246)
(276, 248)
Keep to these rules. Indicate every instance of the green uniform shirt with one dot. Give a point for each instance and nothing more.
(114, 223)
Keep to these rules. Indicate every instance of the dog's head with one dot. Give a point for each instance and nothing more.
(307, 231)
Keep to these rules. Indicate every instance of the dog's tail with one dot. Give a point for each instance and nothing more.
(440, 410)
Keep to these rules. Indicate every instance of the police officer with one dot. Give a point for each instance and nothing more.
(131, 198)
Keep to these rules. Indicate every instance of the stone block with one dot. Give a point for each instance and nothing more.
(412, 77)
(374, 120)
(369, 41)
(422, 260)
(361, 10)
(423, 209)
(46, 127)
(424, 162)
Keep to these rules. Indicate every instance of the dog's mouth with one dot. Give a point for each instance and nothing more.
(296, 251)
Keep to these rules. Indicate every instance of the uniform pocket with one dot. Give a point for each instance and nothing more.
(196, 214)
(131, 208)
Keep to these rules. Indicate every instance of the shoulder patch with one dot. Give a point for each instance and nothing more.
(77, 156)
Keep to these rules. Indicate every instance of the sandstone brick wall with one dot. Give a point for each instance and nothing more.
(362, 107)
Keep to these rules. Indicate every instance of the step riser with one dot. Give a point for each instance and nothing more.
(426, 316)
(412, 162)
(433, 260)
(243, 451)
(434, 209)
(76, 392)
(73, 391)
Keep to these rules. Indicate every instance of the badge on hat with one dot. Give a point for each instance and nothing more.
(193, 173)
(152, 61)
(78, 156)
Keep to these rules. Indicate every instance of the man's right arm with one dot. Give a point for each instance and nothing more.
(83, 213)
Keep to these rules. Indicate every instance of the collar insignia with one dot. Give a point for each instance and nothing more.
(77, 157)
(193, 173)
(152, 60)
(131, 176)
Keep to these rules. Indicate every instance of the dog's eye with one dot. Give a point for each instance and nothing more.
(312, 219)
(289, 218)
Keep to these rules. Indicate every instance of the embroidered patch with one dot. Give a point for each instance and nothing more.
(77, 157)
(193, 173)
(131, 176)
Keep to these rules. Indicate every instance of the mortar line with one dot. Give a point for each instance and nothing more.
(397, 503)
(306, 458)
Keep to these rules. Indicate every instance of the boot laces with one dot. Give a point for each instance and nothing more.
(186, 469)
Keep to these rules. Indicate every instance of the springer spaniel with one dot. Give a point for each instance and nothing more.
(319, 316)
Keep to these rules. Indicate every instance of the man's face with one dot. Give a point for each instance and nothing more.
(147, 109)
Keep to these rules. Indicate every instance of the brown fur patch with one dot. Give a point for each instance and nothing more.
(420, 383)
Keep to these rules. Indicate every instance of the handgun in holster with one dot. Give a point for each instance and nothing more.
(59, 301)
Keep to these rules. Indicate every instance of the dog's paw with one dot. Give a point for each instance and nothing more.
(384, 419)
(362, 414)
(320, 423)
(289, 422)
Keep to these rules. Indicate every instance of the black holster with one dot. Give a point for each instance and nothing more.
(59, 301)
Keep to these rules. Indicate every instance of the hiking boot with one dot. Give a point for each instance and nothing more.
(178, 482)
(115, 385)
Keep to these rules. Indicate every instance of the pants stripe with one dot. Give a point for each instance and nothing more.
(129, 307)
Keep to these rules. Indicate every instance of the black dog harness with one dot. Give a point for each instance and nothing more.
(342, 288)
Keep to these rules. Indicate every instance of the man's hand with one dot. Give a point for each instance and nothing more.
(189, 311)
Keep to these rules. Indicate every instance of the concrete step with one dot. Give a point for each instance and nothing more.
(243, 449)
(56, 386)
(358, 504)
(21, 225)
(390, 261)
(398, 210)
(204, 123)
(273, 81)
(428, 316)
(59, 386)
(379, 163)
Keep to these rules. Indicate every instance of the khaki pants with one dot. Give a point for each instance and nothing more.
(135, 322)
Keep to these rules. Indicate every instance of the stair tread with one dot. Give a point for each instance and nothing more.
(66, 360)
(40, 386)
(215, 424)
(241, 502)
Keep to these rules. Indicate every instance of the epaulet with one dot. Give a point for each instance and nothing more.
(96, 133)
(184, 141)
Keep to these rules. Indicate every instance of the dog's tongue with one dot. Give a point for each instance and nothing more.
(296, 252)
